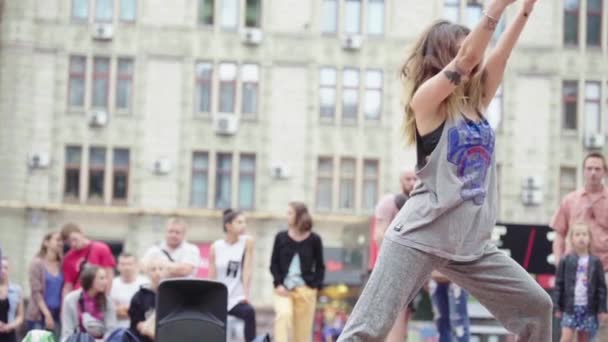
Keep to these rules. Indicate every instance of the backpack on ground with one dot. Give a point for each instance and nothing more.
(122, 335)
(38, 335)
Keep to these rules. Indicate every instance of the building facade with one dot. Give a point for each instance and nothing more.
(116, 114)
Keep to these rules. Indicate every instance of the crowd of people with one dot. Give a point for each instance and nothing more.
(77, 293)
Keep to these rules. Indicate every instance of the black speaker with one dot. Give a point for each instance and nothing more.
(191, 310)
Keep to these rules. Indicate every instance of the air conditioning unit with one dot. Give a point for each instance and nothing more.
(531, 197)
(38, 160)
(352, 42)
(103, 32)
(279, 171)
(531, 183)
(252, 36)
(98, 118)
(225, 123)
(594, 141)
(161, 166)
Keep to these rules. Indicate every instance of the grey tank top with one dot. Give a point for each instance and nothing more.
(452, 210)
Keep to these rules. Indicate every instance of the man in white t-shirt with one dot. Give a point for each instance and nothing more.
(184, 258)
(125, 286)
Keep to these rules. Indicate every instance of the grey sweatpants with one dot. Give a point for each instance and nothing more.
(497, 281)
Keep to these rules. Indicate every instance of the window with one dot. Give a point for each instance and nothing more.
(253, 13)
(594, 22)
(327, 92)
(352, 16)
(375, 18)
(101, 81)
(350, 95)
(78, 65)
(347, 183)
(329, 16)
(474, 13)
(451, 10)
(571, 13)
(495, 109)
(593, 99)
(73, 155)
(128, 10)
(567, 181)
(204, 74)
(200, 179)
(120, 186)
(124, 84)
(80, 10)
(373, 94)
(370, 183)
(250, 77)
(227, 87)
(103, 11)
(570, 103)
(324, 183)
(223, 181)
(229, 14)
(247, 181)
(206, 9)
(97, 167)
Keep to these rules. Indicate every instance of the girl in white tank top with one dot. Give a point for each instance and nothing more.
(230, 264)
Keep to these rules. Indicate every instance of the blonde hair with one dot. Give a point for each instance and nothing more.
(435, 49)
(177, 221)
(580, 225)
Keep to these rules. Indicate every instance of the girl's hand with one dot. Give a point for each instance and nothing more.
(603, 317)
(282, 291)
(558, 314)
(49, 322)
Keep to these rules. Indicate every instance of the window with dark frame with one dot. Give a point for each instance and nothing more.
(375, 17)
(247, 181)
(324, 183)
(570, 105)
(77, 81)
(200, 179)
(567, 181)
(253, 13)
(327, 93)
(206, 9)
(204, 76)
(120, 177)
(370, 183)
(227, 73)
(594, 22)
(128, 11)
(250, 75)
(571, 21)
(101, 82)
(348, 167)
(73, 159)
(329, 19)
(80, 10)
(124, 84)
(373, 94)
(97, 170)
(593, 107)
(223, 181)
(104, 11)
(350, 95)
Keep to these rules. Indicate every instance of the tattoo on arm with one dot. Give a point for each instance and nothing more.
(454, 76)
(490, 24)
